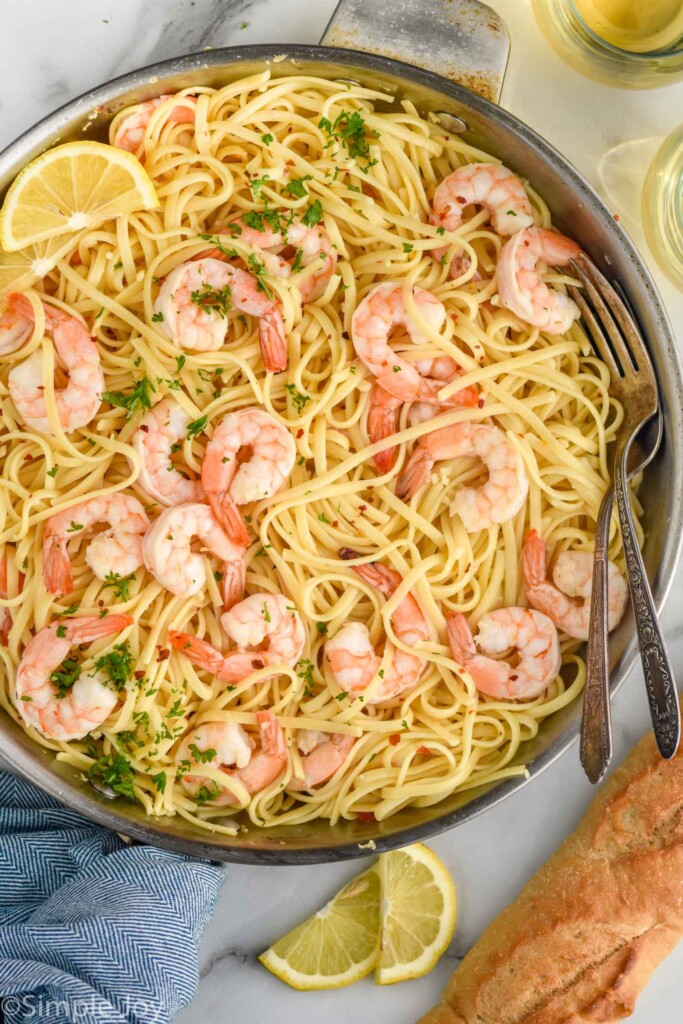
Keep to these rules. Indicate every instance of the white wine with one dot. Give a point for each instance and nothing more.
(633, 44)
(639, 26)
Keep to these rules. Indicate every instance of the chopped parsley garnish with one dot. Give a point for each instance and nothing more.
(297, 188)
(298, 262)
(266, 613)
(159, 781)
(138, 398)
(114, 771)
(119, 584)
(117, 665)
(349, 128)
(74, 527)
(256, 184)
(213, 300)
(304, 670)
(321, 627)
(64, 677)
(441, 231)
(52, 472)
(313, 214)
(322, 518)
(206, 793)
(180, 362)
(118, 264)
(158, 318)
(196, 426)
(407, 247)
(342, 695)
(217, 242)
(299, 399)
(202, 756)
(71, 610)
(176, 710)
(259, 271)
(266, 139)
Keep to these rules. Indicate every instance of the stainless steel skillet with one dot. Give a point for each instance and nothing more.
(575, 208)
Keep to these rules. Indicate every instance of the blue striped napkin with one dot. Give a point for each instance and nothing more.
(92, 930)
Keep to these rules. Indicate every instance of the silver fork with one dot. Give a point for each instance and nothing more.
(618, 341)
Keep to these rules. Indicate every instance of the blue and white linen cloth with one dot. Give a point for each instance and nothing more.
(93, 931)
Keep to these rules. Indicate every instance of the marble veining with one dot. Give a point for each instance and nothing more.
(50, 53)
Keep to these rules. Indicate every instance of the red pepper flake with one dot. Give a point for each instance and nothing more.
(461, 200)
(455, 316)
(139, 674)
(366, 816)
(144, 428)
(362, 508)
(300, 432)
(335, 523)
(480, 403)
(28, 458)
(75, 260)
(616, 216)
(395, 738)
(163, 655)
(423, 750)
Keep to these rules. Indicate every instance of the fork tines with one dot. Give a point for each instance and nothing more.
(611, 325)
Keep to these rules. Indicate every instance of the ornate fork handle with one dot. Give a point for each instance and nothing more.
(661, 689)
(596, 724)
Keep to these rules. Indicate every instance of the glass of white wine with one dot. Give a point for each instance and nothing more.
(636, 44)
(662, 207)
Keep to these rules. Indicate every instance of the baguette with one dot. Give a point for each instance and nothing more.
(583, 937)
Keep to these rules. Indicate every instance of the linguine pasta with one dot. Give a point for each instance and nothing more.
(262, 143)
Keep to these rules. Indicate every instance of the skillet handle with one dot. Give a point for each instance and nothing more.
(463, 40)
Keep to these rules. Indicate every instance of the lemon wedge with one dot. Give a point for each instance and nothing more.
(22, 269)
(337, 945)
(418, 913)
(71, 187)
(397, 917)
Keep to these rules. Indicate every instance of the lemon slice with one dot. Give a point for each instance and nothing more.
(74, 186)
(20, 270)
(337, 945)
(418, 913)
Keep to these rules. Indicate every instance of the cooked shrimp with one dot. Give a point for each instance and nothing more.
(384, 409)
(230, 480)
(532, 635)
(15, 330)
(313, 249)
(131, 129)
(324, 754)
(236, 754)
(194, 301)
(89, 701)
(117, 550)
(521, 288)
(496, 500)
(490, 185)
(267, 630)
(78, 402)
(160, 429)
(352, 657)
(568, 602)
(378, 313)
(168, 554)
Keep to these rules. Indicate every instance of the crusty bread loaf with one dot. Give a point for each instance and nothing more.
(583, 937)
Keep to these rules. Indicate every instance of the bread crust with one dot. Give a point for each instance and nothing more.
(581, 940)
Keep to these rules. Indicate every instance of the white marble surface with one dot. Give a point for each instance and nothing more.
(49, 53)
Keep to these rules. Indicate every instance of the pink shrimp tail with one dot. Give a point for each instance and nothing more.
(91, 627)
(234, 581)
(381, 577)
(57, 572)
(20, 304)
(383, 417)
(198, 651)
(230, 517)
(460, 638)
(272, 739)
(533, 560)
(273, 341)
(414, 474)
